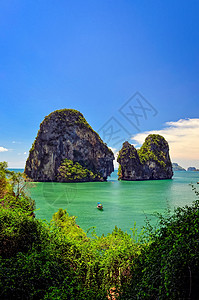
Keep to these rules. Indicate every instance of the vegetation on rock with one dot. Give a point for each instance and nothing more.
(65, 134)
(151, 161)
(150, 149)
(119, 172)
(70, 171)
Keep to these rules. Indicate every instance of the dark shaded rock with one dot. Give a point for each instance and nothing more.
(130, 166)
(191, 169)
(151, 161)
(65, 134)
(176, 167)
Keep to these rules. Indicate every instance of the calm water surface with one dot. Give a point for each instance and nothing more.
(124, 202)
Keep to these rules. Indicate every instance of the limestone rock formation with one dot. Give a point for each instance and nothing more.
(65, 135)
(130, 167)
(176, 167)
(151, 161)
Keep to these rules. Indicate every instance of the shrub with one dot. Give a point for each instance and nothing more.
(168, 268)
(70, 171)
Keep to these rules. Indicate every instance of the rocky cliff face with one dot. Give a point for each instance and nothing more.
(65, 134)
(151, 161)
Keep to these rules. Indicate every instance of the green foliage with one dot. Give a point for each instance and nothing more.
(149, 152)
(168, 268)
(4, 184)
(33, 258)
(24, 203)
(17, 181)
(30, 275)
(43, 261)
(127, 149)
(65, 114)
(59, 261)
(68, 226)
(3, 169)
(114, 256)
(18, 232)
(119, 173)
(101, 261)
(70, 171)
(13, 191)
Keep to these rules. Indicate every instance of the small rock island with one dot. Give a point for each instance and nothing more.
(151, 161)
(67, 149)
(192, 169)
(176, 167)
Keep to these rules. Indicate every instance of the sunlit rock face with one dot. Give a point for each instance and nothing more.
(65, 134)
(151, 161)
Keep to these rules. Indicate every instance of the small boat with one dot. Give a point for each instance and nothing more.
(198, 182)
(99, 206)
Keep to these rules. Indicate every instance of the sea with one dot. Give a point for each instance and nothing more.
(124, 202)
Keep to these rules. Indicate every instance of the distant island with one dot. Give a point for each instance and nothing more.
(151, 161)
(67, 149)
(193, 169)
(176, 167)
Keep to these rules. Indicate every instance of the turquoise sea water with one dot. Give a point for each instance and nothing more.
(124, 202)
(16, 170)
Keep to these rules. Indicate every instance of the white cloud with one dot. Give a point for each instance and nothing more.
(17, 164)
(14, 142)
(2, 149)
(25, 152)
(112, 149)
(183, 139)
(115, 163)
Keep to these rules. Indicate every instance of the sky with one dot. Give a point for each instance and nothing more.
(131, 68)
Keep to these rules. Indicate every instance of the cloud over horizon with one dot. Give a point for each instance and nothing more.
(183, 139)
(2, 149)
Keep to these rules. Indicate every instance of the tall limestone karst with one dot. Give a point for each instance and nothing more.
(151, 161)
(67, 149)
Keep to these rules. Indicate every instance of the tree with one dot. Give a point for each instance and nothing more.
(4, 173)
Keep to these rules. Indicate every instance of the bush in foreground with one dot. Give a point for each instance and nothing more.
(59, 261)
(168, 267)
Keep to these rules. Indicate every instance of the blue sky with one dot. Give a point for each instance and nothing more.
(94, 56)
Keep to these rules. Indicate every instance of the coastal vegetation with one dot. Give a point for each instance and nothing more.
(58, 260)
(70, 171)
(148, 152)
